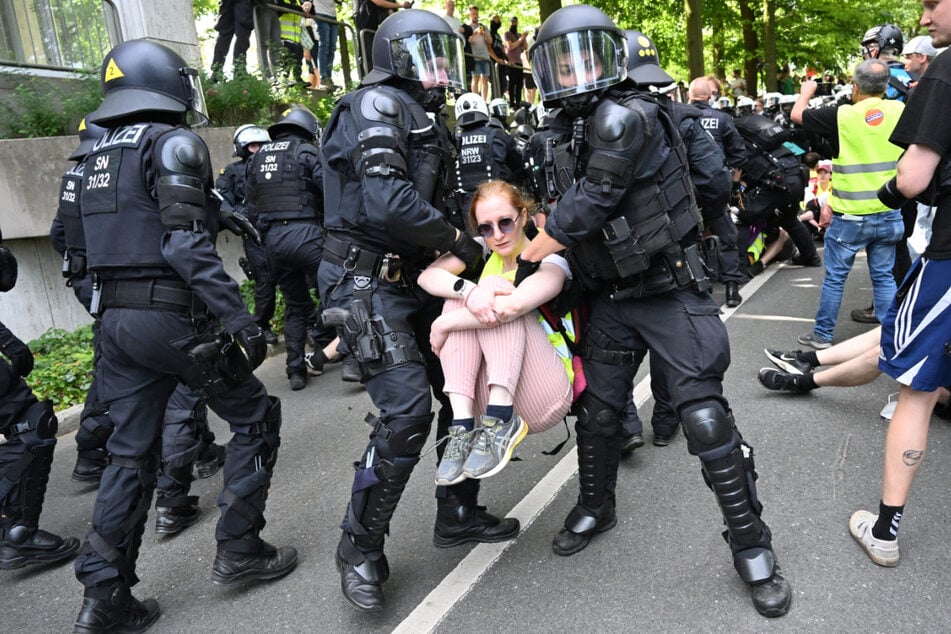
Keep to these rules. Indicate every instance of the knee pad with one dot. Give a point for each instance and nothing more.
(94, 431)
(595, 417)
(710, 430)
(400, 436)
(35, 425)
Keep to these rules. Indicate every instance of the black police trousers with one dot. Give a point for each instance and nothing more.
(143, 356)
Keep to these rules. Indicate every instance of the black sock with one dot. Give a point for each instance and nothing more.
(502, 412)
(886, 528)
(467, 423)
(810, 357)
(806, 381)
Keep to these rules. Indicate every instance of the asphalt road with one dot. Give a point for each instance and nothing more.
(663, 568)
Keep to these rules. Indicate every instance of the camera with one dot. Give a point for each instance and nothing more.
(823, 88)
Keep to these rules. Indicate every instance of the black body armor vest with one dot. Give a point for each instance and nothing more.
(283, 188)
(68, 213)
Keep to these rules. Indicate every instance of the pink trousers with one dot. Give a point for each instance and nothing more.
(515, 355)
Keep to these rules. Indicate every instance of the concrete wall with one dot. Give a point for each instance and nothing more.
(30, 171)
(169, 22)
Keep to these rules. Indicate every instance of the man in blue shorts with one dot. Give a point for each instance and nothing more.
(916, 332)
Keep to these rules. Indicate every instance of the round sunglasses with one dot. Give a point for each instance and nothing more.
(487, 229)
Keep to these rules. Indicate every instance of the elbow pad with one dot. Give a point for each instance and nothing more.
(181, 201)
(379, 152)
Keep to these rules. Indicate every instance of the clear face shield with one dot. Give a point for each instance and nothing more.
(197, 114)
(579, 63)
(433, 59)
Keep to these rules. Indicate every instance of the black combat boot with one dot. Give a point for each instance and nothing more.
(733, 297)
(598, 457)
(581, 525)
(90, 463)
(173, 515)
(459, 522)
(209, 461)
(23, 546)
(362, 574)
(772, 597)
(112, 608)
(269, 563)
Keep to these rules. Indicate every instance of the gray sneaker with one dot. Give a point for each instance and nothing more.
(812, 340)
(494, 446)
(450, 469)
(884, 553)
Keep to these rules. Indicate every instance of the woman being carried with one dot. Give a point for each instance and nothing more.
(496, 354)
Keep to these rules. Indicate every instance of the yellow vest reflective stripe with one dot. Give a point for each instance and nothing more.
(866, 158)
(290, 27)
(494, 266)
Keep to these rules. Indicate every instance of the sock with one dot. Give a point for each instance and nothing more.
(886, 528)
(467, 423)
(806, 381)
(502, 412)
(810, 357)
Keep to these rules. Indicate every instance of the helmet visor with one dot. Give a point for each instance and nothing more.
(197, 114)
(578, 63)
(435, 59)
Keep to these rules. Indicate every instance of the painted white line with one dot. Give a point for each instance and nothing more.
(437, 604)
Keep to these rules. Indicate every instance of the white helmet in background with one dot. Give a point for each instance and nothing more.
(471, 108)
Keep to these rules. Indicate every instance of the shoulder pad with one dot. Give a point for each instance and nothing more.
(181, 151)
(616, 127)
(379, 106)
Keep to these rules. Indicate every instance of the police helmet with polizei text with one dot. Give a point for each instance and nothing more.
(577, 55)
(247, 134)
(643, 62)
(882, 38)
(141, 77)
(420, 46)
(297, 120)
(471, 109)
(89, 133)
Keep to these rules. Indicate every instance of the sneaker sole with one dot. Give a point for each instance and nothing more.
(812, 343)
(878, 559)
(448, 483)
(519, 437)
(780, 363)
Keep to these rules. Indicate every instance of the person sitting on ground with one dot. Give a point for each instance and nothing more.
(495, 353)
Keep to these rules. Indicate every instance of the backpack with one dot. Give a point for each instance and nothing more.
(774, 175)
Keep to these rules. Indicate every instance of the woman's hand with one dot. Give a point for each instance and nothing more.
(508, 308)
(437, 335)
(481, 303)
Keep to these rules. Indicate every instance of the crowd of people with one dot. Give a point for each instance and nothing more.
(515, 266)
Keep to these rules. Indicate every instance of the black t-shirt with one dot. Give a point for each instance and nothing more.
(925, 122)
(824, 122)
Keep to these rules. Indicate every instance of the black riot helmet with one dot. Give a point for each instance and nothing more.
(417, 45)
(578, 53)
(643, 63)
(246, 135)
(882, 38)
(89, 133)
(297, 120)
(140, 77)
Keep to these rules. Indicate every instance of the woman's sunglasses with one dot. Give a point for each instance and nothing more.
(487, 229)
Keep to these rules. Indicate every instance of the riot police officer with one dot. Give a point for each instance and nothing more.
(629, 221)
(168, 313)
(386, 156)
(29, 427)
(885, 42)
(231, 185)
(484, 151)
(283, 193)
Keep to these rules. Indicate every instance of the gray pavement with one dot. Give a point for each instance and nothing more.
(663, 568)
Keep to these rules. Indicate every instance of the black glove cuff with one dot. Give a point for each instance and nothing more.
(889, 195)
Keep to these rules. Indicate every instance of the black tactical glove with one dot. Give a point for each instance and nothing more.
(467, 249)
(238, 224)
(889, 195)
(251, 341)
(21, 358)
(524, 269)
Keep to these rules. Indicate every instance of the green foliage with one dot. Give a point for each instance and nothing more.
(205, 7)
(249, 99)
(30, 112)
(63, 368)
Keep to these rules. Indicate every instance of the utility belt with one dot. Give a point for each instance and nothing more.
(363, 262)
(147, 294)
(74, 265)
(268, 220)
(674, 268)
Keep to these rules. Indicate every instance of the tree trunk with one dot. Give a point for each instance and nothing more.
(694, 38)
(547, 7)
(751, 45)
(717, 46)
(769, 43)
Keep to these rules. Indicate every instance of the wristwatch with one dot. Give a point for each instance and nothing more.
(461, 288)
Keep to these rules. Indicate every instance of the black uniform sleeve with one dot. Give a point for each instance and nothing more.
(733, 145)
(711, 179)
(924, 121)
(639, 149)
(58, 235)
(227, 187)
(183, 164)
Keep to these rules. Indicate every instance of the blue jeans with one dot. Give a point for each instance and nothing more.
(847, 235)
(326, 45)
